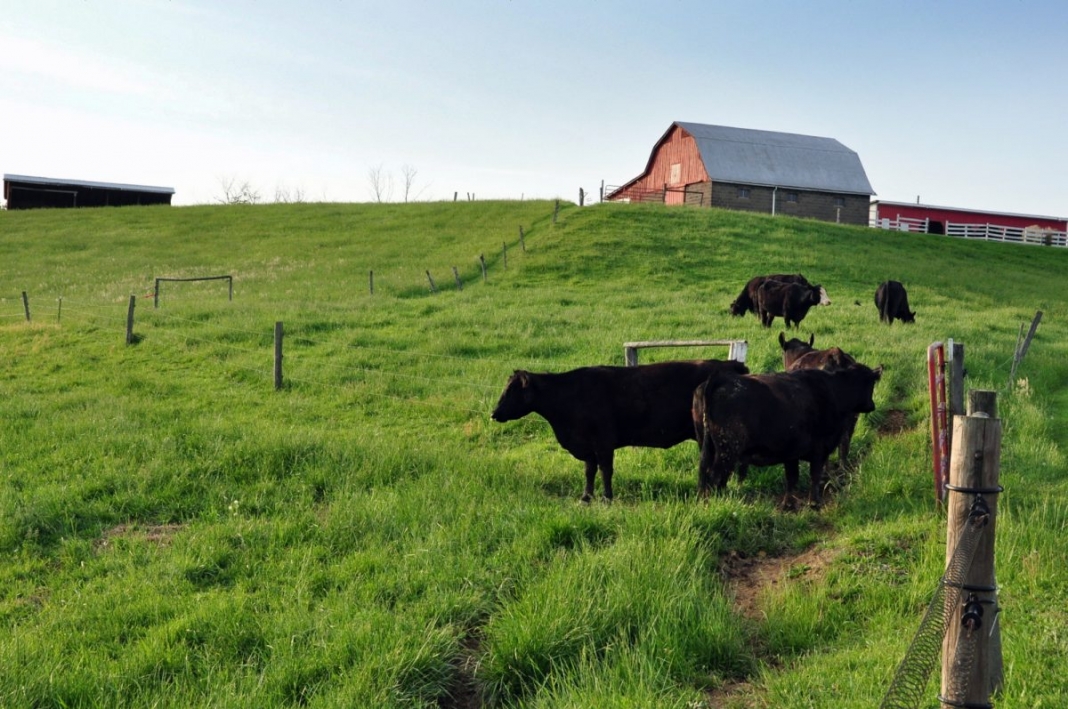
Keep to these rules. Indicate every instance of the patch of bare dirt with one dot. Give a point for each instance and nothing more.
(464, 690)
(749, 577)
(893, 423)
(156, 533)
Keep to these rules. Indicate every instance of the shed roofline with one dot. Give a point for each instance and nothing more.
(29, 179)
(967, 210)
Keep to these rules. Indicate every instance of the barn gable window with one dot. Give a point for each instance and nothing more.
(743, 193)
(792, 197)
(676, 173)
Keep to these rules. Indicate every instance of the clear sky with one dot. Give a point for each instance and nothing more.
(959, 103)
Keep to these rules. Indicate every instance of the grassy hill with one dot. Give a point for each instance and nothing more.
(176, 533)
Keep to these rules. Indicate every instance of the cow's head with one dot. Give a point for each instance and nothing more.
(737, 308)
(793, 349)
(908, 317)
(824, 298)
(518, 398)
(865, 380)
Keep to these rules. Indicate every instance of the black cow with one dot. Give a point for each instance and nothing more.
(768, 419)
(893, 302)
(595, 410)
(790, 301)
(798, 354)
(746, 300)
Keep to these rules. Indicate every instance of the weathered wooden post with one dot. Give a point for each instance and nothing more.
(59, 310)
(231, 280)
(522, 242)
(556, 211)
(155, 295)
(956, 383)
(504, 253)
(971, 662)
(371, 281)
(582, 197)
(456, 275)
(1021, 349)
(130, 320)
(482, 262)
(278, 355)
(26, 305)
(433, 288)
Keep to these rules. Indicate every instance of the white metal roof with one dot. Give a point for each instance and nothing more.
(53, 181)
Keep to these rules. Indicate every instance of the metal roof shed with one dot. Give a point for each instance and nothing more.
(28, 192)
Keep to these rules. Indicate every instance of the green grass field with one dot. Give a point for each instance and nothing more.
(176, 533)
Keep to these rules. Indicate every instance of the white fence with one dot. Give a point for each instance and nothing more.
(989, 232)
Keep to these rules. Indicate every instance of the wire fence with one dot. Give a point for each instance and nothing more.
(913, 674)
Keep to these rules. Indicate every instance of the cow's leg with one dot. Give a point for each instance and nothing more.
(815, 493)
(843, 445)
(791, 468)
(605, 458)
(591, 476)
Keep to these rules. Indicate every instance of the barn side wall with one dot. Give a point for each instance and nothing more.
(812, 205)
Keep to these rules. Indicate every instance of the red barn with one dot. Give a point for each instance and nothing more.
(753, 170)
(970, 223)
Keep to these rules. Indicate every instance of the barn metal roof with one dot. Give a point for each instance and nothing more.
(52, 181)
(768, 158)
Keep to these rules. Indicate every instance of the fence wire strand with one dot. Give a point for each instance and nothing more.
(912, 675)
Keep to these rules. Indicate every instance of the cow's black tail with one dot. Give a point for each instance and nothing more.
(703, 398)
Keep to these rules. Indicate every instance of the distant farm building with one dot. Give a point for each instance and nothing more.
(755, 171)
(25, 192)
(970, 223)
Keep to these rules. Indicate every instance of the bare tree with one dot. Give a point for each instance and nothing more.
(283, 195)
(408, 172)
(233, 193)
(381, 183)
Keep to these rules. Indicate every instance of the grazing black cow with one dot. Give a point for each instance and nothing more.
(893, 302)
(768, 419)
(746, 300)
(790, 301)
(595, 410)
(798, 354)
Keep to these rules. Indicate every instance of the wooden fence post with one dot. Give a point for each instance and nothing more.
(59, 310)
(231, 280)
(982, 401)
(956, 384)
(556, 211)
(582, 197)
(976, 462)
(433, 288)
(371, 281)
(456, 275)
(26, 305)
(1021, 350)
(278, 355)
(504, 254)
(130, 320)
(522, 242)
(155, 295)
(482, 262)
